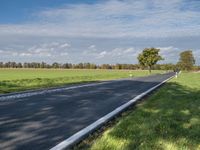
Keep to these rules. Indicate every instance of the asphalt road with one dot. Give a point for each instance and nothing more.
(42, 121)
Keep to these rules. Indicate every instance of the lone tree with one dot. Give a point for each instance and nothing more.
(149, 57)
(186, 60)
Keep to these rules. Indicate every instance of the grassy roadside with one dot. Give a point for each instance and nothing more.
(12, 80)
(169, 119)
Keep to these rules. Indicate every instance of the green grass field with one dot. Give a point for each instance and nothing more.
(12, 80)
(167, 120)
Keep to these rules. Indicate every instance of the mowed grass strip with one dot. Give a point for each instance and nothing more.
(12, 80)
(167, 120)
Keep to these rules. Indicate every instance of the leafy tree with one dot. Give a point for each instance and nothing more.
(106, 66)
(149, 57)
(118, 66)
(55, 65)
(186, 60)
(80, 66)
(19, 65)
(43, 65)
(1, 65)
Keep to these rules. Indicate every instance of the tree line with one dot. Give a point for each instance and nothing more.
(147, 59)
(57, 65)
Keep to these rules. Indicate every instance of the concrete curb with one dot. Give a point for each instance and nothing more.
(77, 137)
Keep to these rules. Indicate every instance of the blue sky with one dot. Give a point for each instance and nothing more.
(112, 31)
(18, 11)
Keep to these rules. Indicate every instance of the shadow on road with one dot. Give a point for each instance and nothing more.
(42, 121)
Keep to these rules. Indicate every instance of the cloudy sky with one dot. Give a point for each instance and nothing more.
(97, 31)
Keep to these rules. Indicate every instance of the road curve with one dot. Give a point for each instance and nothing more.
(41, 121)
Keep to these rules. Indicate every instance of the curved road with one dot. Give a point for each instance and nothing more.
(42, 120)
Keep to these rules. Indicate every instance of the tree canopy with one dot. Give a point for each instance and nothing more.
(186, 60)
(149, 57)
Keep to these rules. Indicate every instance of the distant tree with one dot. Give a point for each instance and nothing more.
(149, 57)
(118, 66)
(93, 66)
(65, 66)
(25, 65)
(106, 66)
(186, 60)
(19, 65)
(196, 68)
(1, 65)
(87, 66)
(10, 64)
(43, 65)
(164, 66)
(55, 65)
(80, 66)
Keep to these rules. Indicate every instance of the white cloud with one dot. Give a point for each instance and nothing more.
(91, 50)
(112, 19)
(168, 50)
(107, 31)
(51, 49)
(25, 54)
(8, 53)
(102, 54)
(129, 50)
(64, 54)
(92, 47)
(65, 45)
(169, 53)
(119, 53)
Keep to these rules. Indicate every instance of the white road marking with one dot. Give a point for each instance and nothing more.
(82, 133)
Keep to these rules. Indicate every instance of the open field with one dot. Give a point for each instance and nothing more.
(12, 80)
(168, 119)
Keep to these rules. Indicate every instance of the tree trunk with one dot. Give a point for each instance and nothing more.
(149, 69)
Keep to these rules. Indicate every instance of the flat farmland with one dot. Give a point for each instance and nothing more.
(12, 80)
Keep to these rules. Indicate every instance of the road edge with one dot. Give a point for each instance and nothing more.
(28, 93)
(77, 137)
